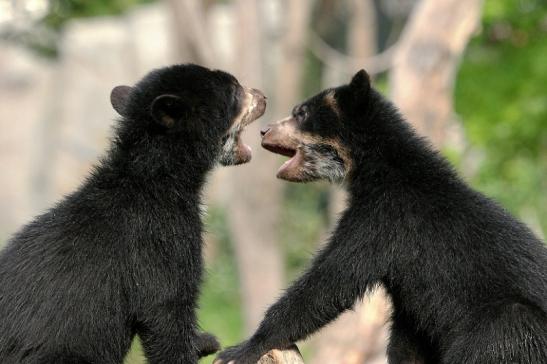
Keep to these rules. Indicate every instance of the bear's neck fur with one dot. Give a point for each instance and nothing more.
(388, 154)
(176, 163)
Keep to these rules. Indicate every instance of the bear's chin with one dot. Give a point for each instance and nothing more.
(234, 151)
(292, 169)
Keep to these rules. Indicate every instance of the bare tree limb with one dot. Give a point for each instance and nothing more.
(426, 61)
(293, 52)
(375, 64)
(255, 201)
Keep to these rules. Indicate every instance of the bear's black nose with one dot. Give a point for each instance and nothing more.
(264, 130)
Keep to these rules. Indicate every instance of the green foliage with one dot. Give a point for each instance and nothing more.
(136, 354)
(502, 98)
(43, 37)
(303, 221)
(60, 11)
(522, 15)
(312, 76)
(219, 305)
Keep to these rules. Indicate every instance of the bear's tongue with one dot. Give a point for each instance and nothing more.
(290, 170)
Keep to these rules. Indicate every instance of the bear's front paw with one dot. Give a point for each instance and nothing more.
(206, 344)
(240, 354)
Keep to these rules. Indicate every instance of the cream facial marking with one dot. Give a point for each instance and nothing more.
(311, 157)
(234, 151)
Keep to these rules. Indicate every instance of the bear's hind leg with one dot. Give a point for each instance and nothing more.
(509, 333)
(405, 347)
(65, 358)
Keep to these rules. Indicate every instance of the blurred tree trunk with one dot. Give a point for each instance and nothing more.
(255, 207)
(29, 90)
(425, 64)
(290, 73)
(253, 210)
(191, 41)
(362, 29)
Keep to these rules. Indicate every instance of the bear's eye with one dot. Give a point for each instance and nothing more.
(300, 114)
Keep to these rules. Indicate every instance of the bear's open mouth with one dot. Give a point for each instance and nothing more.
(234, 150)
(280, 149)
(292, 164)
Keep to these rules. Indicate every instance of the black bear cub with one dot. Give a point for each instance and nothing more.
(122, 255)
(467, 280)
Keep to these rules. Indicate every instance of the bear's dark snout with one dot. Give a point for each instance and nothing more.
(264, 131)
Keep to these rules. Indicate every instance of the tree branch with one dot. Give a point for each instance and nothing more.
(378, 63)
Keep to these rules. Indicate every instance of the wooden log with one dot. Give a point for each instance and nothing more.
(288, 356)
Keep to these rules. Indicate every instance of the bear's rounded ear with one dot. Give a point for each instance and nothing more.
(119, 97)
(360, 83)
(168, 110)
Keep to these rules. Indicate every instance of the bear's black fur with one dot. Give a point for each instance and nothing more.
(467, 280)
(122, 255)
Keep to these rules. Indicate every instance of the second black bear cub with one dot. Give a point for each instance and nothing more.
(122, 255)
(467, 280)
